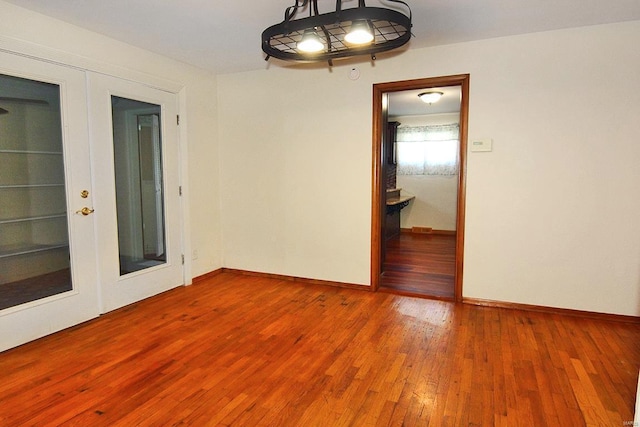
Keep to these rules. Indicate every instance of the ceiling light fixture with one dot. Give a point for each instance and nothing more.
(430, 97)
(360, 33)
(344, 33)
(310, 42)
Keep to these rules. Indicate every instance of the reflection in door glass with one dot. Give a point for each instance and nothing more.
(34, 241)
(137, 146)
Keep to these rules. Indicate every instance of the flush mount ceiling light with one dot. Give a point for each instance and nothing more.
(430, 97)
(344, 33)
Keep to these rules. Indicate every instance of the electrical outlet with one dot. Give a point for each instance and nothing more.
(194, 254)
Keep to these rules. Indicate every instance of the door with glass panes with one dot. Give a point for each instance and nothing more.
(48, 269)
(89, 196)
(139, 235)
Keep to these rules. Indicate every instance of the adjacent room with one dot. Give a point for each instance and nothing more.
(421, 165)
(210, 215)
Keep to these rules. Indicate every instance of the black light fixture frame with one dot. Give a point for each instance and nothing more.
(391, 29)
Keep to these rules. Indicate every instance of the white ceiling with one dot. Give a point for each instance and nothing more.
(224, 35)
(407, 103)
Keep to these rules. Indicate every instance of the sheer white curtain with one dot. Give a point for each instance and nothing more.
(428, 150)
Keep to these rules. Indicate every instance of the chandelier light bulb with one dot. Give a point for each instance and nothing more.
(310, 42)
(359, 33)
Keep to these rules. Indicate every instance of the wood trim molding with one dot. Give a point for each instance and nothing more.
(302, 280)
(379, 90)
(471, 301)
(553, 310)
(376, 188)
(462, 185)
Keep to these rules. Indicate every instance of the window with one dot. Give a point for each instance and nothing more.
(428, 150)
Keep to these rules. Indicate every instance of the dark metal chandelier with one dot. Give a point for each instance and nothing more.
(344, 33)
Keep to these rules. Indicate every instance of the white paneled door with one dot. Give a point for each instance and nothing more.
(48, 270)
(134, 135)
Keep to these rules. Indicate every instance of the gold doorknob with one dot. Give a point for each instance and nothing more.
(85, 211)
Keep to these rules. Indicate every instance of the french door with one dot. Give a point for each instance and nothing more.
(134, 136)
(90, 215)
(48, 270)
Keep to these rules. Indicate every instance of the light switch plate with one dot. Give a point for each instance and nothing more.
(485, 144)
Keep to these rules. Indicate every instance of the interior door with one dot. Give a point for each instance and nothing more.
(134, 136)
(48, 272)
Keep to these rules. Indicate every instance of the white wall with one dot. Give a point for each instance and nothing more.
(296, 173)
(34, 34)
(551, 212)
(436, 201)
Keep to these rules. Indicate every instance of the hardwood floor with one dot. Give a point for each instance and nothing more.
(248, 351)
(420, 264)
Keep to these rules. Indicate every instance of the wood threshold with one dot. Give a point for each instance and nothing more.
(387, 290)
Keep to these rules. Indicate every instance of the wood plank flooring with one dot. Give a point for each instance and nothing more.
(420, 264)
(250, 351)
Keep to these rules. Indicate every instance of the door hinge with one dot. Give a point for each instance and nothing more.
(178, 119)
(180, 190)
(182, 259)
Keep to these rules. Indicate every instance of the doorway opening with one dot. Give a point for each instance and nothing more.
(412, 259)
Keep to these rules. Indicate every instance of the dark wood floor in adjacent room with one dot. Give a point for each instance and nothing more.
(34, 288)
(420, 264)
(251, 351)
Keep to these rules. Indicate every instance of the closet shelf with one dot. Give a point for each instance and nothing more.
(55, 153)
(30, 185)
(15, 250)
(33, 218)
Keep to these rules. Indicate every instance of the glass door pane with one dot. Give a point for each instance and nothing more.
(137, 143)
(34, 239)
